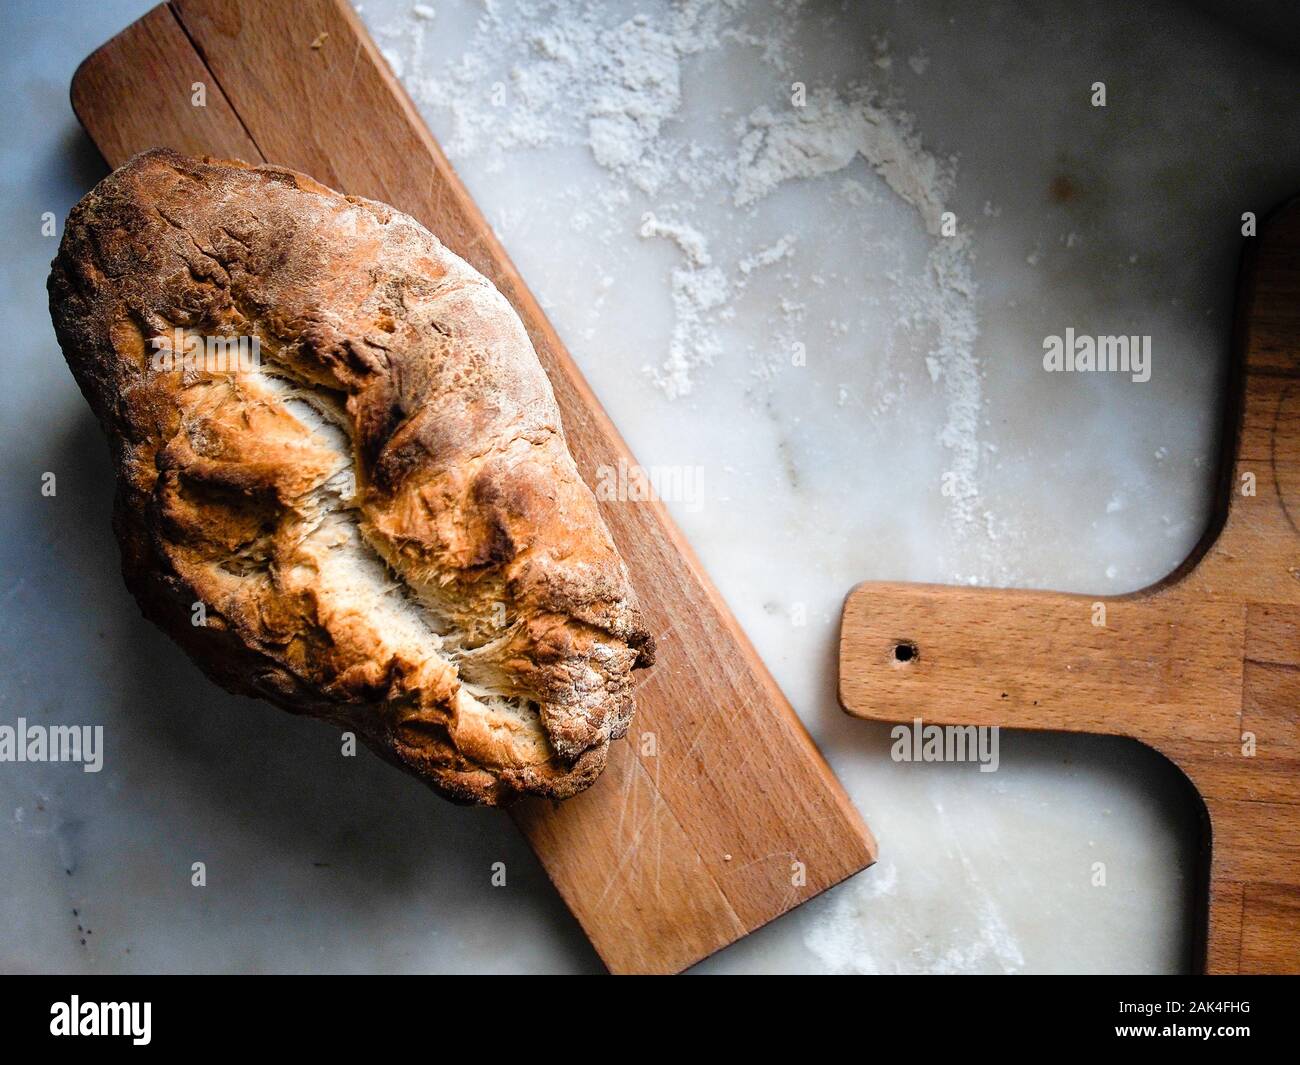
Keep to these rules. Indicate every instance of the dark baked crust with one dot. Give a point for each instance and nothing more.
(383, 523)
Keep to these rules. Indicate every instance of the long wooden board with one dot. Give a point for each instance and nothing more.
(718, 813)
(1204, 667)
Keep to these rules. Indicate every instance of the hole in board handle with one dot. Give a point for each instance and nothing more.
(905, 653)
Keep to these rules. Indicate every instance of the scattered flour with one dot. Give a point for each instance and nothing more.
(825, 136)
(394, 60)
(573, 81)
(851, 934)
(686, 237)
(695, 293)
(773, 253)
(549, 73)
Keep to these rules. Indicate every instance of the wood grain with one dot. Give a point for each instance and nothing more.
(1204, 667)
(718, 813)
(163, 77)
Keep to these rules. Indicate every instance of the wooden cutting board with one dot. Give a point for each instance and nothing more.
(718, 813)
(1204, 666)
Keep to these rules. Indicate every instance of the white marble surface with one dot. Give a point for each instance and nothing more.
(816, 477)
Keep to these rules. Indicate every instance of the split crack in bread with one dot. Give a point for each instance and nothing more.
(382, 520)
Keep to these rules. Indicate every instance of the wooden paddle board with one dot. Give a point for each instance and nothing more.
(1204, 667)
(717, 813)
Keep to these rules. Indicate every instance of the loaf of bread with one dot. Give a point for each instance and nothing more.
(343, 484)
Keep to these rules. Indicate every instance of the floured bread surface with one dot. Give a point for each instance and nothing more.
(377, 508)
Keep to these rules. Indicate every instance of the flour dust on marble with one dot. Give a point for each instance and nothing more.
(851, 931)
(611, 78)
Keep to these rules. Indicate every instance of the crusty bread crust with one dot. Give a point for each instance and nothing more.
(382, 522)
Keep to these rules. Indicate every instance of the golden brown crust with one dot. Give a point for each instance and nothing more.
(382, 521)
